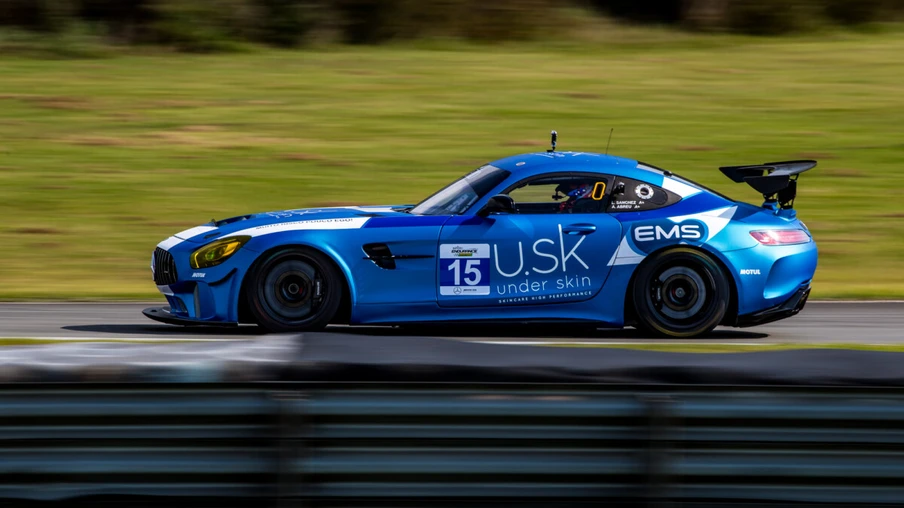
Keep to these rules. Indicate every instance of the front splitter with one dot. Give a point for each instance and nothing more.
(163, 315)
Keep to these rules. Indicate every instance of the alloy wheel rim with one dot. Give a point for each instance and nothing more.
(679, 293)
(294, 289)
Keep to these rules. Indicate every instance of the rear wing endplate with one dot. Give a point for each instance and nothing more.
(776, 181)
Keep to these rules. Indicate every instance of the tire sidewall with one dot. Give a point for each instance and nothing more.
(714, 311)
(324, 266)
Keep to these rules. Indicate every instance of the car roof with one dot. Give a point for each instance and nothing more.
(530, 164)
(534, 164)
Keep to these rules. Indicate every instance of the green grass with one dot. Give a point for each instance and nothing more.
(732, 348)
(102, 158)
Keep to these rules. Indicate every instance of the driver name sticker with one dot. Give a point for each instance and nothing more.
(464, 269)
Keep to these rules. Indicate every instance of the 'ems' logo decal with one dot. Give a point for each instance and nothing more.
(650, 236)
(677, 231)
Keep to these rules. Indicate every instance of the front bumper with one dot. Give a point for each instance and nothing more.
(198, 296)
(164, 315)
(786, 309)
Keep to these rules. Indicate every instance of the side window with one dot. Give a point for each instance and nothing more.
(629, 195)
(561, 194)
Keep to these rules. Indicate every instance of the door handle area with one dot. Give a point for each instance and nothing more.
(578, 229)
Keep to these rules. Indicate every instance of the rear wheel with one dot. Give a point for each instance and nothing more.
(680, 293)
(294, 290)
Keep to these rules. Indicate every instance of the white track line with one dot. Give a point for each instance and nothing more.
(608, 343)
(808, 345)
(127, 339)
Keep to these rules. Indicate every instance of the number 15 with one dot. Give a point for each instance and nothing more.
(470, 269)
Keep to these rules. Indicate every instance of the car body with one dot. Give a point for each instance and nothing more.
(469, 253)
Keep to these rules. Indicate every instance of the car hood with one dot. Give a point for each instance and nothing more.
(316, 218)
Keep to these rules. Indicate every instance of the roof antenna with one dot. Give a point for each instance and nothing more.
(554, 137)
(610, 140)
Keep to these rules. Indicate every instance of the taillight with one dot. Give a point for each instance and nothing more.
(781, 236)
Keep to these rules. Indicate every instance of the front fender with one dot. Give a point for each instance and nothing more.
(321, 241)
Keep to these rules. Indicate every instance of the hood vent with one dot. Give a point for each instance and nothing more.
(220, 223)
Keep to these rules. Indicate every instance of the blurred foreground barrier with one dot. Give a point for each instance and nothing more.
(356, 421)
(335, 444)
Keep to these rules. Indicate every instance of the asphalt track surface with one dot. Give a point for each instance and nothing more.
(819, 322)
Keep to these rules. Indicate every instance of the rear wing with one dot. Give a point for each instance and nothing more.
(776, 181)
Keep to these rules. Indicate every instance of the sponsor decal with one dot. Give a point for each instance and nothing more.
(666, 232)
(648, 236)
(285, 214)
(464, 269)
(547, 269)
(316, 222)
(750, 271)
(545, 298)
(558, 257)
(305, 225)
(198, 275)
(298, 212)
(461, 252)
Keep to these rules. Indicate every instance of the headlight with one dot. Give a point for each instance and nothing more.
(217, 252)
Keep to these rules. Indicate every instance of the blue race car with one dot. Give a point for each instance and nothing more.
(550, 236)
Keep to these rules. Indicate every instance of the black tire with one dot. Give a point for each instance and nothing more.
(680, 293)
(294, 290)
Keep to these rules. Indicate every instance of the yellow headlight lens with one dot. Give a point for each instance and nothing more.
(217, 252)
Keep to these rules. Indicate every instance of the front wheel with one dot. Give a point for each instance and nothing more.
(294, 290)
(680, 293)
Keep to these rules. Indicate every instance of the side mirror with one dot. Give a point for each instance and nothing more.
(500, 203)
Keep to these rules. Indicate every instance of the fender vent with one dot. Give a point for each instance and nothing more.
(380, 254)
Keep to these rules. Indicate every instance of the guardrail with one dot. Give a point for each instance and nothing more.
(497, 444)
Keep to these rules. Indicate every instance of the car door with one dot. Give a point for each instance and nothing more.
(554, 248)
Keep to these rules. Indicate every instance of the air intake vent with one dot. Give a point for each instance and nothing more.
(380, 254)
(164, 268)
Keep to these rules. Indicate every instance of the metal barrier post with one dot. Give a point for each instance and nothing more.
(290, 422)
(657, 452)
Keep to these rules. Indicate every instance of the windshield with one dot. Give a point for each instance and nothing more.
(458, 196)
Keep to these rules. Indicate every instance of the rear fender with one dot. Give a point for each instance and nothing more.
(720, 259)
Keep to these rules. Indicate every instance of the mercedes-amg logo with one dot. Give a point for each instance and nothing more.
(457, 290)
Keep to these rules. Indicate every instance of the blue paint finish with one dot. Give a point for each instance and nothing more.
(693, 204)
(406, 221)
(768, 275)
(520, 267)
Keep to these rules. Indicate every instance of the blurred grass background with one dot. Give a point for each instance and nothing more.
(104, 155)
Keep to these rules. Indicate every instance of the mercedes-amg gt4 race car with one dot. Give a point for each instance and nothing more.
(540, 237)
